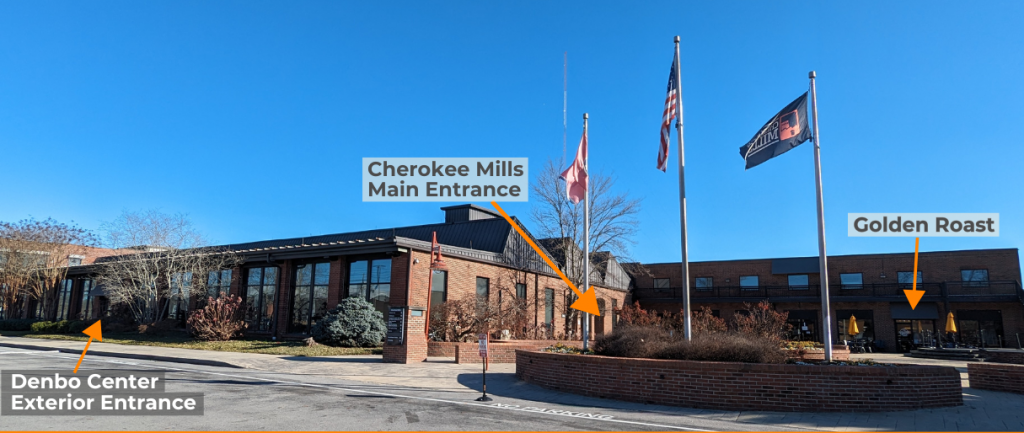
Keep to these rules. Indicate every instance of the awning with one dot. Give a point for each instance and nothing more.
(922, 312)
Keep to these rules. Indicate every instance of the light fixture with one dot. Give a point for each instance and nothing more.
(415, 261)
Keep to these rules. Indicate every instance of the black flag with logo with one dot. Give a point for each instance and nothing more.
(786, 130)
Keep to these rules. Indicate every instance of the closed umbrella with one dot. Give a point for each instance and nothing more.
(950, 323)
(852, 328)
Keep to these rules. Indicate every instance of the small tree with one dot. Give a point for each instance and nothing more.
(353, 323)
(454, 320)
(703, 321)
(34, 260)
(161, 259)
(636, 316)
(220, 320)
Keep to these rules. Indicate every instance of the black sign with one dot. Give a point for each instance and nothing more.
(786, 130)
(396, 325)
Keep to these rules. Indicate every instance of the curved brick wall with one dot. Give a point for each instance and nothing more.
(739, 386)
(996, 377)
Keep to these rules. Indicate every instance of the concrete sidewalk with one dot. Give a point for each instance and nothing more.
(982, 410)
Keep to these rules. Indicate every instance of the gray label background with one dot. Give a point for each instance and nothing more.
(7, 394)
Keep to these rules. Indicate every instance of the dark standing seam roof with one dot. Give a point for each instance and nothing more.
(487, 235)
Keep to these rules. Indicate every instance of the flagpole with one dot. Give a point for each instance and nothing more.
(682, 198)
(586, 236)
(826, 315)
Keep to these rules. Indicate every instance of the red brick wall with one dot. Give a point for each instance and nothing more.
(739, 386)
(502, 352)
(996, 377)
(1004, 357)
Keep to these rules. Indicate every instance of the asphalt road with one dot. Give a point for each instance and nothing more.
(242, 399)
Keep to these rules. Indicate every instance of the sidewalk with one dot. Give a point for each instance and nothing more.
(982, 410)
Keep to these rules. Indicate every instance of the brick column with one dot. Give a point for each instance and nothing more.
(335, 283)
(236, 282)
(409, 290)
(284, 296)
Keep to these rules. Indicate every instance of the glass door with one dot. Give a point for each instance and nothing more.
(912, 334)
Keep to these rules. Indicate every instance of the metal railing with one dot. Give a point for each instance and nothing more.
(836, 290)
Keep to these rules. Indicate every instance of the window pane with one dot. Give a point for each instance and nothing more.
(300, 309)
(267, 302)
(304, 275)
(322, 273)
(482, 289)
(255, 276)
(270, 276)
(357, 278)
(749, 282)
(661, 283)
(549, 307)
(319, 303)
(381, 271)
(703, 283)
(521, 291)
(974, 277)
(439, 289)
(798, 281)
(851, 281)
(904, 278)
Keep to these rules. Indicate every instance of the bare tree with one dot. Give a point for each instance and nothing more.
(613, 225)
(161, 261)
(35, 260)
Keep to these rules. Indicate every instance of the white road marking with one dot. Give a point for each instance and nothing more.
(341, 388)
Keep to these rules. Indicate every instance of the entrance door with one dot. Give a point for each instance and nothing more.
(912, 334)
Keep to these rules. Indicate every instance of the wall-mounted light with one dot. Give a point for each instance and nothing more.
(415, 261)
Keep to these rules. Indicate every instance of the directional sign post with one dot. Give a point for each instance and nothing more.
(483, 355)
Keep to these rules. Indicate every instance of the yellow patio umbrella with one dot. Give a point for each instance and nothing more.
(950, 323)
(852, 329)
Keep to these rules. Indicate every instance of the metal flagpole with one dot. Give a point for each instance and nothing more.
(826, 315)
(682, 196)
(586, 235)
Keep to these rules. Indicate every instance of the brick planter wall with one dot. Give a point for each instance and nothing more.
(739, 386)
(499, 351)
(1004, 356)
(996, 377)
(840, 352)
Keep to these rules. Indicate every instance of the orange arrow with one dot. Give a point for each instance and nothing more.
(914, 295)
(586, 301)
(92, 331)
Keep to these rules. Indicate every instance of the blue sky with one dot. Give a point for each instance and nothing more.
(253, 117)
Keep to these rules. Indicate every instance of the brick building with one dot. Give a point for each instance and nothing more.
(981, 287)
(288, 284)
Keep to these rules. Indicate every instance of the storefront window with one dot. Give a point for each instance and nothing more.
(86, 310)
(261, 286)
(218, 282)
(980, 328)
(371, 280)
(912, 333)
(309, 299)
(181, 286)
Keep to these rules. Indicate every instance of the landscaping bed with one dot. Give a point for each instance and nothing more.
(182, 341)
(745, 386)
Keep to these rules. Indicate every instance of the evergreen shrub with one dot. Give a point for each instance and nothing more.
(354, 323)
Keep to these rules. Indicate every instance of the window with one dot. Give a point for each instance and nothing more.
(704, 283)
(86, 310)
(219, 282)
(615, 312)
(260, 288)
(309, 298)
(439, 289)
(549, 308)
(661, 283)
(798, 282)
(974, 277)
(905, 280)
(371, 280)
(483, 290)
(521, 291)
(181, 287)
(75, 260)
(851, 281)
(64, 299)
(748, 282)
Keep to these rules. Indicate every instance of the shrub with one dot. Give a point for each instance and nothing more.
(60, 327)
(220, 320)
(636, 316)
(703, 321)
(762, 321)
(658, 343)
(17, 324)
(454, 321)
(354, 323)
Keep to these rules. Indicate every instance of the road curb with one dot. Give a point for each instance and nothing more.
(181, 360)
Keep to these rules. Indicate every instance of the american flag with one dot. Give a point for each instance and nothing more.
(669, 114)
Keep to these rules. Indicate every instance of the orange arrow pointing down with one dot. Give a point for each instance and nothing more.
(587, 301)
(914, 295)
(92, 331)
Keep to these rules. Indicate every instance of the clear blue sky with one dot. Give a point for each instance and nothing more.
(253, 116)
